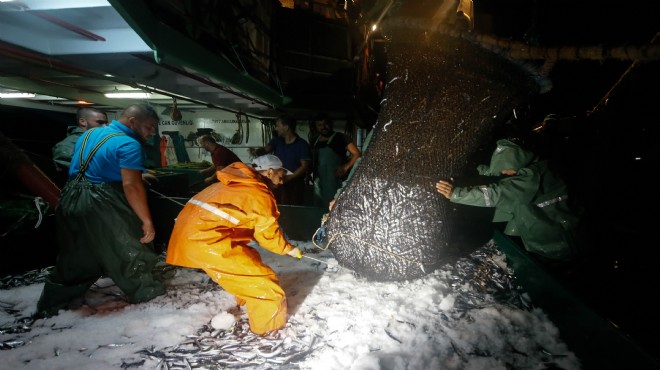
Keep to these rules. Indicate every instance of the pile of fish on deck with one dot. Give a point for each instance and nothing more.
(479, 280)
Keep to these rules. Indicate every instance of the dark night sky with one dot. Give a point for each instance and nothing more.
(577, 86)
(556, 22)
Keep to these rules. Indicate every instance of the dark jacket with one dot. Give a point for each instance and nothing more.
(532, 202)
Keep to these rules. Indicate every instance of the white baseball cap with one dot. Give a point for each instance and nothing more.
(268, 161)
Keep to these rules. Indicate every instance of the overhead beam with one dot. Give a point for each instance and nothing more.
(53, 5)
(174, 48)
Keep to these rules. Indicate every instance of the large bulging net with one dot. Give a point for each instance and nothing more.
(443, 97)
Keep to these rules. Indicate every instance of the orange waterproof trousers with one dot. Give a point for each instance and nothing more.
(241, 272)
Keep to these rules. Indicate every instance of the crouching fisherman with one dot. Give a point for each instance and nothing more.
(214, 228)
(104, 227)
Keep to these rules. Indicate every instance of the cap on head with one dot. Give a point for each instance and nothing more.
(268, 161)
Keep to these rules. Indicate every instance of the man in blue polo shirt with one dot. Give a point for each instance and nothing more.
(104, 227)
(295, 154)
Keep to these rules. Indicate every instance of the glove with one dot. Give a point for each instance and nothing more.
(295, 253)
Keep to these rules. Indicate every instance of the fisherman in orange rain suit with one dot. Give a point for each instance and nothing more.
(214, 228)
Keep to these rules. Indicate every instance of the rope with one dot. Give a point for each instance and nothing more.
(247, 128)
(314, 240)
(38, 203)
(332, 239)
(166, 197)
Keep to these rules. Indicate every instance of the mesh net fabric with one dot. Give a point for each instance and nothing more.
(444, 95)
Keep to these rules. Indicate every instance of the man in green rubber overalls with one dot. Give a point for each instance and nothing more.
(528, 196)
(330, 163)
(104, 226)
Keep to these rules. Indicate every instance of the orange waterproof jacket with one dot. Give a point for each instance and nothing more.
(232, 212)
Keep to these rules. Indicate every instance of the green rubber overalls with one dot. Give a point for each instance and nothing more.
(326, 182)
(98, 235)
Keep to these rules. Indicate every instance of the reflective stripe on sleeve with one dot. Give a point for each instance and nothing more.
(552, 201)
(484, 190)
(215, 210)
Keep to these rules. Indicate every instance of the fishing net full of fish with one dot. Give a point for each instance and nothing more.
(443, 97)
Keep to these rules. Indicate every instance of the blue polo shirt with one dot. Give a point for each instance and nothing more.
(122, 151)
(291, 154)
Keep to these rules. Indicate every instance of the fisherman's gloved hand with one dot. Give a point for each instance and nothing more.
(295, 253)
